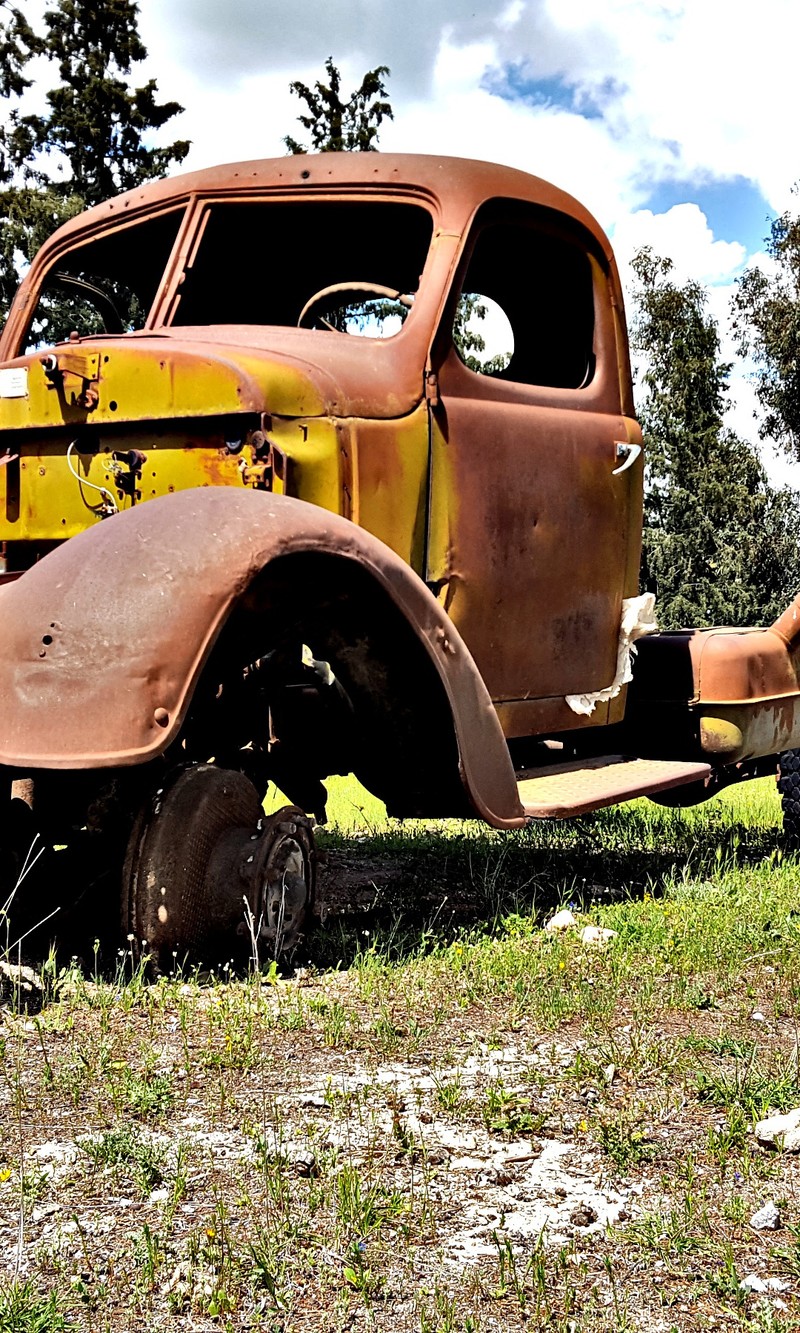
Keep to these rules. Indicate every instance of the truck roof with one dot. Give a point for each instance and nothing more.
(456, 185)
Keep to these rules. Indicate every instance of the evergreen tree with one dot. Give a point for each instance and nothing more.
(719, 541)
(767, 322)
(336, 126)
(92, 141)
(96, 122)
(18, 42)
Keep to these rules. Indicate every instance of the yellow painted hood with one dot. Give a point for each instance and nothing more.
(104, 381)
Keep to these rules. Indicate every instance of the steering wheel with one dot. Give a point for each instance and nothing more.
(336, 288)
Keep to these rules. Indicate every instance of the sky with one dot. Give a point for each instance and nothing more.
(674, 122)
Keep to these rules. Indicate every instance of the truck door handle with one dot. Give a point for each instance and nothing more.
(628, 453)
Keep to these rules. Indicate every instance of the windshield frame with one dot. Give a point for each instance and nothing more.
(163, 312)
(49, 261)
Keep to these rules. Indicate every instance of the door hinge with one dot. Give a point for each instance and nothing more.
(432, 387)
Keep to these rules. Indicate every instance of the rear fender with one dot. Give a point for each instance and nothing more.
(104, 640)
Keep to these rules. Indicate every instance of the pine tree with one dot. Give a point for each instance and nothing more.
(336, 126)
(96, 122)
(719, 541)
(18, 42)
(92, 141)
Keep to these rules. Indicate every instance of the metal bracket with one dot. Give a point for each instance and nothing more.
(82, 366)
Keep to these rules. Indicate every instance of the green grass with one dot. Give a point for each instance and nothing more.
(267, 1147)
(25, 1309)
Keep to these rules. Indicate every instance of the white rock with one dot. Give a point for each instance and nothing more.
(597, 935)
(753, 1283)
(59, 1154)
(780, 1131)
(766, 1219)
(467, 1163)
(561, 921)
(757, 1016)
(21, 987)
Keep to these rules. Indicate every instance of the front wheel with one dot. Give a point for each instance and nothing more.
(206, 872)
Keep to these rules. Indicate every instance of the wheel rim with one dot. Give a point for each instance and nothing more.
(284, 879)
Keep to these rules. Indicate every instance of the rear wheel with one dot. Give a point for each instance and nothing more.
(789, 788)
(62, 842)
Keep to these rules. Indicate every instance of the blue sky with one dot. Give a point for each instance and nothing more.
(735, 209)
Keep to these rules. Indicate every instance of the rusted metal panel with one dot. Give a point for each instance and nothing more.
(391, 473)
(546, 717)
(383, 379)
(455, 187)
(152, 379)
(69, 636)
(532, 541)
(709, 666)
(58, 488)
(739, 689)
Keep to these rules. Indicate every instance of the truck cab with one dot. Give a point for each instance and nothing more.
(271, 508)
(290, 325)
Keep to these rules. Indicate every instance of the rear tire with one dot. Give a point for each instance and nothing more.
(789, 788)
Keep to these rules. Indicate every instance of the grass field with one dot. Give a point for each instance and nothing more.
(442, 1117)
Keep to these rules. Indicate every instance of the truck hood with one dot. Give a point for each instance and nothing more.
(210, 371)
(156, 377)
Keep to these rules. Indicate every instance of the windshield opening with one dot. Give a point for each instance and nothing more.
(106, 285)
(339, 265)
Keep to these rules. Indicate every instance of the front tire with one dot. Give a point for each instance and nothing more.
(206, 871)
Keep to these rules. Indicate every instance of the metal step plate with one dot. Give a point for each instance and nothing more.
(560, 790)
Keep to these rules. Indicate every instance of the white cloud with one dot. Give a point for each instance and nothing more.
(705, 90)
(642, 93)
(670, 91)
(683, 235)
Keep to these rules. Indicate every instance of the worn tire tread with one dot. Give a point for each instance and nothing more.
(789, 788)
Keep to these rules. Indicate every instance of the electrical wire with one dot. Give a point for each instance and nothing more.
(110, 505)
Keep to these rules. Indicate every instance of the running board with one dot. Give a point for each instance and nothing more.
(560, 790)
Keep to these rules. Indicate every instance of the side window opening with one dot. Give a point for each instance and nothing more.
(106, 285)
(537, 285)
(483, 334)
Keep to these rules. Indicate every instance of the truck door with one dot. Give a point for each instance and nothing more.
(534, 531)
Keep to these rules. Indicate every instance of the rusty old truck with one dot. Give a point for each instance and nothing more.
(270, 512)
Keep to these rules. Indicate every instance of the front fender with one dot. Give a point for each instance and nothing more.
(103, 641)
